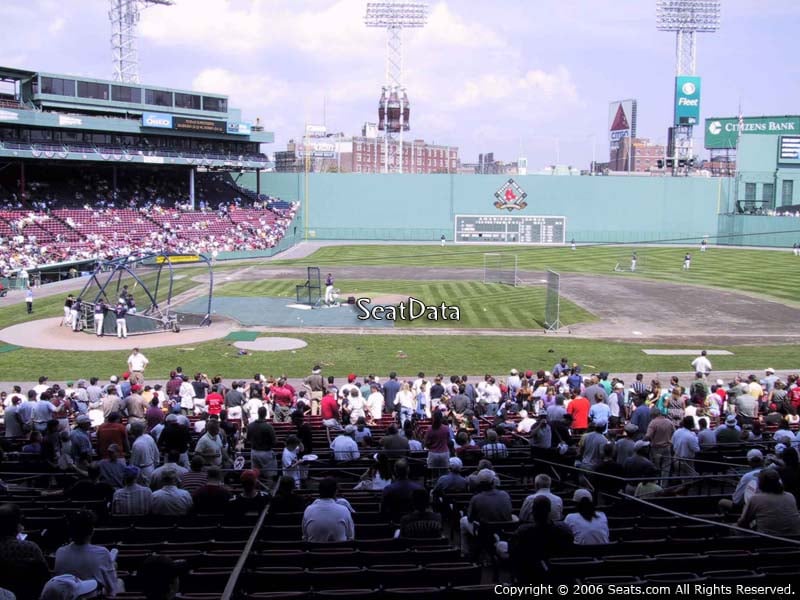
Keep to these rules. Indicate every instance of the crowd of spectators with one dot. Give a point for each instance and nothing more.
(164, 448)
(85, 219)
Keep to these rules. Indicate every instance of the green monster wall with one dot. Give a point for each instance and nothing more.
(422, 207)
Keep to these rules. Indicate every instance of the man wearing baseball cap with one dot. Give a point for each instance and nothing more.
(132, 499)
(67, 587)
(453, 481)
(748, 484)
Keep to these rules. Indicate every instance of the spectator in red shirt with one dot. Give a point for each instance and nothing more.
(282, 399)
(329, 409)
(112, 432)
(579, 409)
(214, 401)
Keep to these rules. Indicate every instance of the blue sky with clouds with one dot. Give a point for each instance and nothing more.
(509, 76)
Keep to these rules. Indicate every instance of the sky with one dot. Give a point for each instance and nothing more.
(527, 78)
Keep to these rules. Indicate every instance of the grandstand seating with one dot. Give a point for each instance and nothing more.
(648, 547)
(77, 218)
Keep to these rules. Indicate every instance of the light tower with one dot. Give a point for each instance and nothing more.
(686, 18)
(393, 108)
(124, 17)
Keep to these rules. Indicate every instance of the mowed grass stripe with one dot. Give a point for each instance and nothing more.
(506, 307)
(754, 271)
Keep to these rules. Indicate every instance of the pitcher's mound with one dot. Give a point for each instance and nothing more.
(271, 344)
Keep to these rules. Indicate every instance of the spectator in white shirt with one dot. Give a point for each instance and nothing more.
(526, 423)
(188, 395)
(375, 404)
(137, 362)
(701, 364)
(356, 405)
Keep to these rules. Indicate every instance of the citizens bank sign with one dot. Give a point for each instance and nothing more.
(724, 132)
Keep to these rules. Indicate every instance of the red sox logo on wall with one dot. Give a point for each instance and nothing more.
(510, 196)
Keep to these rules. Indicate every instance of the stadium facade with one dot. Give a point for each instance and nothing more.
(63, 119)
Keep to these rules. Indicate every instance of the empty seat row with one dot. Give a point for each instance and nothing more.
(296, 578)
(349, 557)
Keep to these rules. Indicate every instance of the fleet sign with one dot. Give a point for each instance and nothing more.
(687, 100)
(724, 132)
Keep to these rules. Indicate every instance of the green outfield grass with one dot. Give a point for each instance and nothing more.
(760, 272)
(341, 354)
(482, 306)
(763, 272)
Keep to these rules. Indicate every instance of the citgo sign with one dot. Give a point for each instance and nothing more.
(724, 132)
(687, 100)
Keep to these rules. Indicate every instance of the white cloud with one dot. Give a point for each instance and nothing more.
(56, 26)
(448, 29)
(333, 33)
(259, 94)
(537, 86)
(336, 31)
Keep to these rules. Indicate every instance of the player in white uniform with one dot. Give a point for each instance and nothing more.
(329, 289)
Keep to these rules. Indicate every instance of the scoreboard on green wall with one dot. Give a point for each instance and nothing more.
(510, 229)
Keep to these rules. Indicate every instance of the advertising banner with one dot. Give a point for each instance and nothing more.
(158, 120)
(687, 100)
(316, 130)
(201, 125)
(789, 149)
(621, 121)
(724, 132)
(179, 258)
(317, 149)
(239, 128)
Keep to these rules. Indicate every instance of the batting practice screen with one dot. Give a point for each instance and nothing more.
(510, 229)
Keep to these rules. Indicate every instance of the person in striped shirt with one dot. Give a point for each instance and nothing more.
(132, 499)
(196, 477)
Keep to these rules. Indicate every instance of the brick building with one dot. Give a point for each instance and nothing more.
(418, 156)
(643, 155)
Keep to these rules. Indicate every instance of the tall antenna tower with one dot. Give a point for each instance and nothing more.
(393, 107)
(686, 18)
(124, 17)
